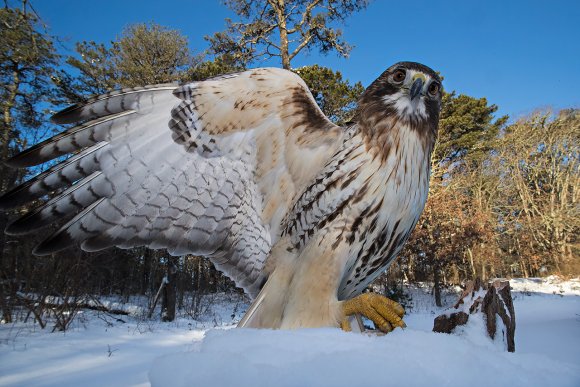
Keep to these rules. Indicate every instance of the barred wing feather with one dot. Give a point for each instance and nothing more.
(208, 168)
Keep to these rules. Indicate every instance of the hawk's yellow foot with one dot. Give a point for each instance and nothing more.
(385, 313)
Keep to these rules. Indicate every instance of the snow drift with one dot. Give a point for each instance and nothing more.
(100, 351)
(329, 357)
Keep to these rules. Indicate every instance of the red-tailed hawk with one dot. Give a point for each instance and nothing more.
(246, 170)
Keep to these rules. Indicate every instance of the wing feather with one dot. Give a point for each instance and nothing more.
(75, 168)
(208, 168)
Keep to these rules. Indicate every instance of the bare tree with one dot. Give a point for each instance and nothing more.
(539, 161)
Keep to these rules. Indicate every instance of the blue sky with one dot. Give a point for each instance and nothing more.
(521, 55)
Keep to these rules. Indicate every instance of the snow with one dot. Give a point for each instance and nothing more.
(329, 357)
(552, 284)
(99, 350)
(143, 352)
(99, 356)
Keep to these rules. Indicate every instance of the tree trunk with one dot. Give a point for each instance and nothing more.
(472, 264)
(9, 281)
(483, 272)
(169, 292)
(524, 269)
(146, 271)
(437, 284)
(488, 302)
(156, 299)
(6, 307)
(455, 271)
(280, 9)
(498, 301)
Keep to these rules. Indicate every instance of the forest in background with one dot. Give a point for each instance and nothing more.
(503, 199)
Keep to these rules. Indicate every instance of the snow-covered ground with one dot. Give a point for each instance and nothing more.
(100, 351)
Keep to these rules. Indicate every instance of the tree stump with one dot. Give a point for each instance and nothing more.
(493, 301)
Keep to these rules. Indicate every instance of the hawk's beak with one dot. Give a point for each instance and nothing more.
(416, 88)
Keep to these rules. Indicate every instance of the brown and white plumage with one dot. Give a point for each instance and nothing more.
(246, 170)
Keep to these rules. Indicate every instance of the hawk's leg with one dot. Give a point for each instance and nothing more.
(385, 313)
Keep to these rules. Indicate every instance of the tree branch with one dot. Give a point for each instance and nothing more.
(305, 16)
(299, 48)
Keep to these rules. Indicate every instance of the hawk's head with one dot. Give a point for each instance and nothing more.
(408, 93)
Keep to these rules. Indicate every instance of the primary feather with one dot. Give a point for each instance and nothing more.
(205, 168)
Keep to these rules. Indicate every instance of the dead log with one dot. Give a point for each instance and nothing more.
(498, 301)
(492, 301)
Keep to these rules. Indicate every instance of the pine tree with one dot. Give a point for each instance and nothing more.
(466, 128)
(336, 97)
(145, 54)
(283, 29)
(27, 64)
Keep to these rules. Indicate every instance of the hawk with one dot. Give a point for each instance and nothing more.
(246, 170)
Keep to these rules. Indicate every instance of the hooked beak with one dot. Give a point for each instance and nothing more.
(416, 88)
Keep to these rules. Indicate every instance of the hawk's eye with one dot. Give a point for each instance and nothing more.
(399, 76)
(433, 88)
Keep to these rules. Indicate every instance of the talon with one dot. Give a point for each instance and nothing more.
(345, 325)
(386, 314)
(384, 328)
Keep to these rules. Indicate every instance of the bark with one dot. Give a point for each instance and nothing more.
(9, 103)
(6, 307)
(169, 292)
(437, 285)
(498, 301)
(145, 280)
(446, 324)
(472, 264)
(157, 296)
(280, 9)
(492, 301)
(7, 178)
(10, 276)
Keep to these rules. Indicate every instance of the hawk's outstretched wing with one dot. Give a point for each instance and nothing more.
(209, 168)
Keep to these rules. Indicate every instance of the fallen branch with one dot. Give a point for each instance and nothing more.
(29, 303)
